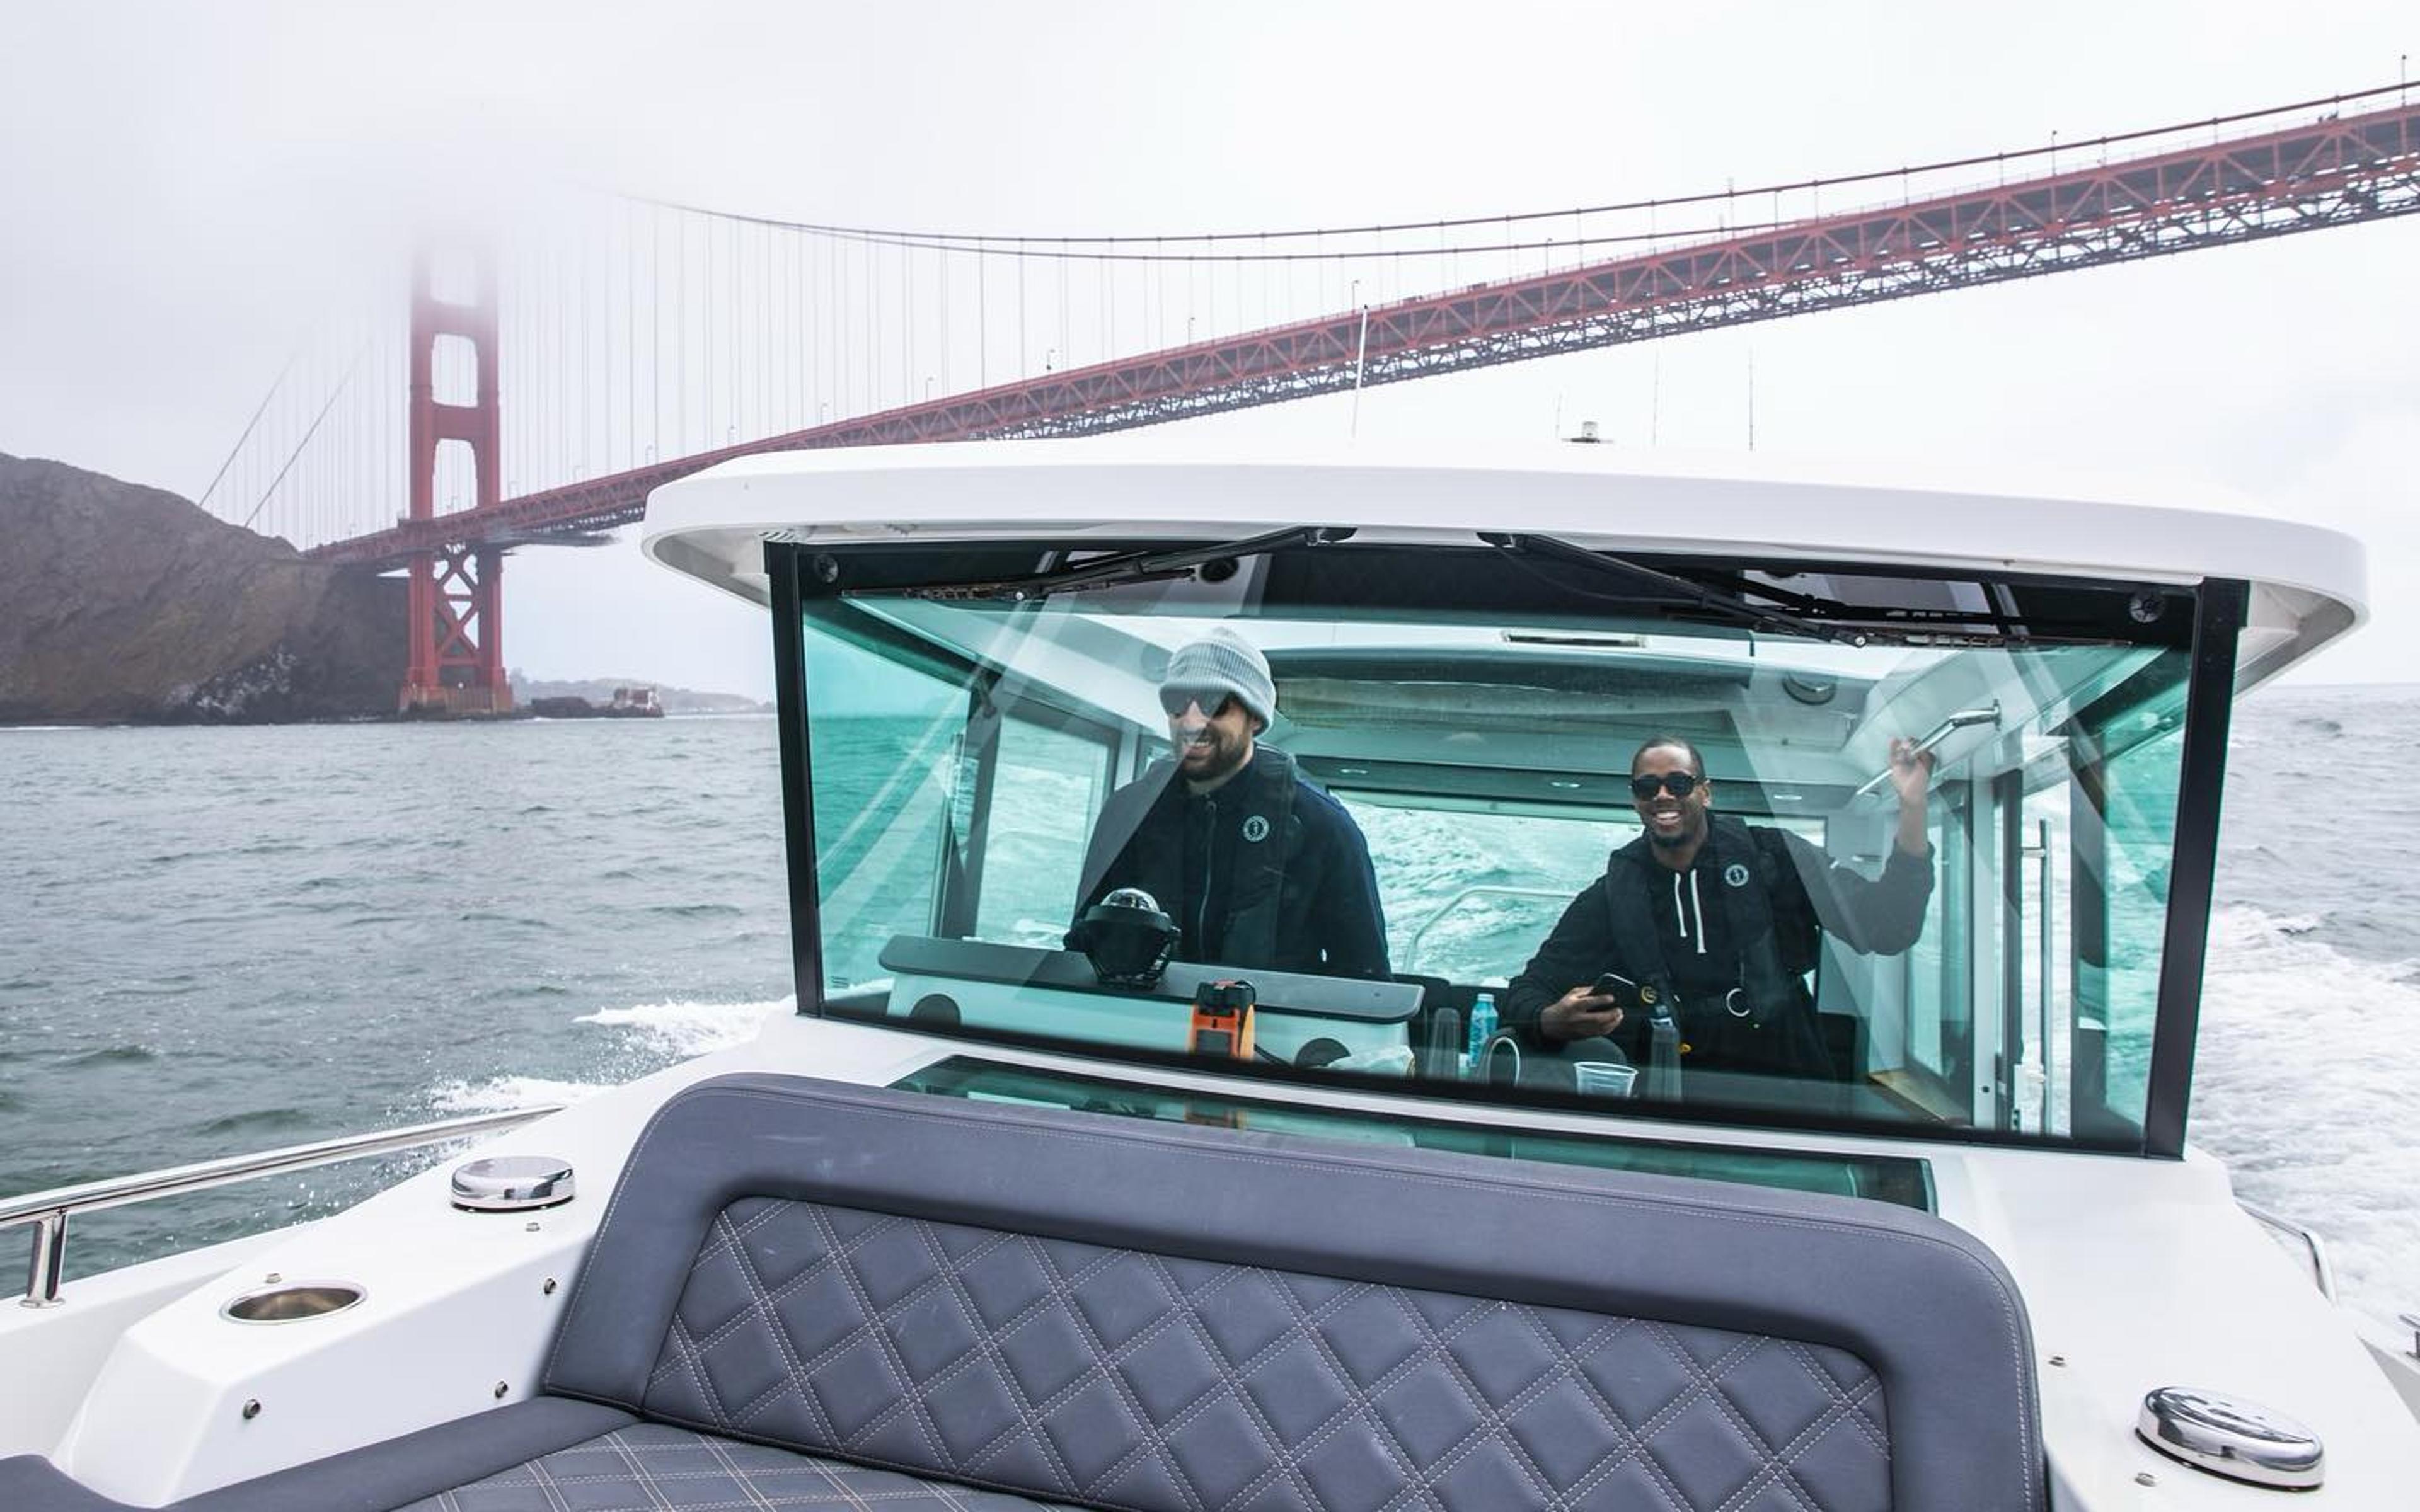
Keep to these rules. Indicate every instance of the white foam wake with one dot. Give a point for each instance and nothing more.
(501, 1094)
(679, 1031)
(2302, 1084)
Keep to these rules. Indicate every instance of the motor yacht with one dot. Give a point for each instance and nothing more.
(1062, 1189)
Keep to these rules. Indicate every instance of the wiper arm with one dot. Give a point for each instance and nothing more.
(1730, 606)
(1129, 567)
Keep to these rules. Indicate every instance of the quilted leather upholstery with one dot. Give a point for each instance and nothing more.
(651, 1468)
(1137, 1381)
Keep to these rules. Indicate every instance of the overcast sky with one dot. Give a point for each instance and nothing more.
(181, 187)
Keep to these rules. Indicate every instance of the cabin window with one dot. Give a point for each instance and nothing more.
(1044, 781)
(1474, 723)
(885, 748)
(1449, 918)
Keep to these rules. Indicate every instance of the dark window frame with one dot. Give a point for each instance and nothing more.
(799, 573)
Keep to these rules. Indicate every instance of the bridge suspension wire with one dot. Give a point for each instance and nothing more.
(320, 457)
(1008, 245)
(635, 339)
(251, 426)
(302, 444)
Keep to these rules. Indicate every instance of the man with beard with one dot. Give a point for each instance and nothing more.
(1724, 921)
(1256, 865)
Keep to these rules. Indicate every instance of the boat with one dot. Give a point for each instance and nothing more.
(1037, 1200)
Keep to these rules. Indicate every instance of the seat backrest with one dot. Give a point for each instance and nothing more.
(1165, 1319)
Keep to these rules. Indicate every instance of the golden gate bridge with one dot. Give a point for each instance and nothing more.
(556, 371)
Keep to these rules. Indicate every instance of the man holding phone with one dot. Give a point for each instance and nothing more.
(1721, 922)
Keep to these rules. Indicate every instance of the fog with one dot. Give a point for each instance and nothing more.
(187, 189)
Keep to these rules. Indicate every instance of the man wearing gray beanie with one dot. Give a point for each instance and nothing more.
(1257, 865)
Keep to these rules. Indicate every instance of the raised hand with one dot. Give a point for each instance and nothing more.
(1911, 773)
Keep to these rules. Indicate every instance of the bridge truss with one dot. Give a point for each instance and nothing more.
(2337, 170)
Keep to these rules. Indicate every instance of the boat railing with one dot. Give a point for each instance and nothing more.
(1438, 915)
(49, 1212)
(2323, 1270)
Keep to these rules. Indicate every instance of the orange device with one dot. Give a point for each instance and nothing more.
(1222, 1019)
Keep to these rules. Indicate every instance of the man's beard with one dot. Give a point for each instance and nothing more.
(1220, 761)
(1688, 833)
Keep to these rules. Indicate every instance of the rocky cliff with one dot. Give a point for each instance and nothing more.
(122, 602)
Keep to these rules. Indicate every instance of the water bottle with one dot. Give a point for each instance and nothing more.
(1483, 1028)
(1663, 1053)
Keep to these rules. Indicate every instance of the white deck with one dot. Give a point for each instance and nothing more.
(2168, 1283)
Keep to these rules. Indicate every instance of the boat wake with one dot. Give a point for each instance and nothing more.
(2302, 1086)
(502, 1094)
(681, 1029)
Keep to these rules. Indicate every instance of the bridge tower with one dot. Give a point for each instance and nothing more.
(455, 601)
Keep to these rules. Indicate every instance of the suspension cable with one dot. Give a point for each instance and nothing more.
(334, 394)
(953, 241)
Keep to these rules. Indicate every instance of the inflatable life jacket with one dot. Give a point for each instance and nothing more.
(1767, 1021)
(1140, 842)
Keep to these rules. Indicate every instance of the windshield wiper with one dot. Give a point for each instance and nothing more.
(1129, 567)
(1729, 606)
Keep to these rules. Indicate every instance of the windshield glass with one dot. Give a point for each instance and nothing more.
(1662, 862)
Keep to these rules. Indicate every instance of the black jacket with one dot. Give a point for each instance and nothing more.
(1265, 870)
(1739, 971)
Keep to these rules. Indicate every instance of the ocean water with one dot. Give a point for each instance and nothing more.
(215, 941)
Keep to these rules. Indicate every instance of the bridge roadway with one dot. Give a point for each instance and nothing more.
(2330, 172)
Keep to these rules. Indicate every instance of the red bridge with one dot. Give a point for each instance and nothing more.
(775, 322)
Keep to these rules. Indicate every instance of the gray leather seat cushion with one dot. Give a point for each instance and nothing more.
(650, 1467)
(1125, 1379)
(377, 1477)
(1157, 1317)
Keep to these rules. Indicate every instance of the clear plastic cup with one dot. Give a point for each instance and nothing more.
(1605, 1078)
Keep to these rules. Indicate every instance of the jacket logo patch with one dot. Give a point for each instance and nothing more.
(1256, 828)
(1735, 876)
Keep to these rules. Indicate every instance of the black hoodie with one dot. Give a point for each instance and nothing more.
(1807, 894)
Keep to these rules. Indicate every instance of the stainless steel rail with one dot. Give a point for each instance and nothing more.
(1948, 727)
(2323, 1271)
(49, 1212)
(1437, 915)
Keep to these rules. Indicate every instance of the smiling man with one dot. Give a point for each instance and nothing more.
(1725, 919)
(1257, 865)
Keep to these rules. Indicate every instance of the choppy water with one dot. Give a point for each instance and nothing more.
(219, 940)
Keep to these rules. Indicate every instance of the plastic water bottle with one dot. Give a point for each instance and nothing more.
(1483, 1028)
(1663, 1054)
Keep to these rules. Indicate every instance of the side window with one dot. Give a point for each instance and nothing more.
(884, 740)
(1047, 788)
(2123, 825)
(1923, 1056)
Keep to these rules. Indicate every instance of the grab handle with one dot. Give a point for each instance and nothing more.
(1990, 714)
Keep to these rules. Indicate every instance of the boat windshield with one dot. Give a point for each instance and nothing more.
(1903, 861)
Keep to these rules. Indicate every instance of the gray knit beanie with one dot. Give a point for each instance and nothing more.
(1226, 662)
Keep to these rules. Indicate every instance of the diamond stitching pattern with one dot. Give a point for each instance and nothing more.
(655, 1468)
(1132, 1380)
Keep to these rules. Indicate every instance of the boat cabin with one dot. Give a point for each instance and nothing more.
(1466, 664)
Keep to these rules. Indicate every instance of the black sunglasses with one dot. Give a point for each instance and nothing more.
(1176, 696)
(1679, 784)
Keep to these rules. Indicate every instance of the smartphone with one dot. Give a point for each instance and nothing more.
(1625, 993)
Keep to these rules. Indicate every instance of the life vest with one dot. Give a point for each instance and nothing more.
(1766, 1021)
(1140, 842)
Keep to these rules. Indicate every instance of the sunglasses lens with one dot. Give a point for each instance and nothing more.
(1175, 700)
(1679, 784)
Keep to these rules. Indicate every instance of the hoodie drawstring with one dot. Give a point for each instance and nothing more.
(1680, 919)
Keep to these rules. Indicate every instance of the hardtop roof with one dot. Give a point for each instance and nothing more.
(2310, 582)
